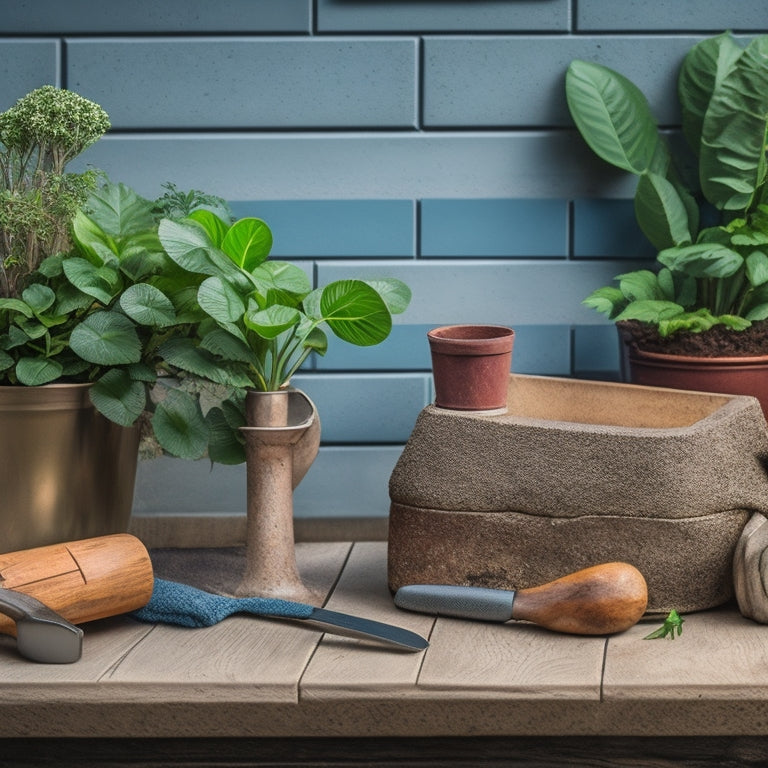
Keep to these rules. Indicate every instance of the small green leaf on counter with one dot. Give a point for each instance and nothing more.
(673, 622)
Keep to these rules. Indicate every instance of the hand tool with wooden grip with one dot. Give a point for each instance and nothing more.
(600, 600)
(45, 591)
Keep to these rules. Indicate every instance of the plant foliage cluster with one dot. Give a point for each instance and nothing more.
(168, 307)
(710, 227)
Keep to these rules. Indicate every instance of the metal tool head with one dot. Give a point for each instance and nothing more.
(41, 634)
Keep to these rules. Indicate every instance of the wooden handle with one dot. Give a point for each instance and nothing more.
(599, 600)
(81, 580)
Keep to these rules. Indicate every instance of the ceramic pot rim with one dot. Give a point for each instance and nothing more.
(693, 360)
(471, 339)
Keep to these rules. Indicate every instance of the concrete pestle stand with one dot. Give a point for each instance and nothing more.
(577, 473)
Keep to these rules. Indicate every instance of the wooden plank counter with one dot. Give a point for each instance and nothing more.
(254, 678)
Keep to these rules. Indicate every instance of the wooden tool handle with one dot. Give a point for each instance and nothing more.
(599, 600)
(81, 580)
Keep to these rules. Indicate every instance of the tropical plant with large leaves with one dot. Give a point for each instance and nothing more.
(705, 275)
(263, 317)
(101, 311)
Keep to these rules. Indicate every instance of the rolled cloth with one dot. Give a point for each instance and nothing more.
(185, 606)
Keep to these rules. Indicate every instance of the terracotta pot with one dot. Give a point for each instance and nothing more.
(724, 375)
(66, 472)
(471, 366)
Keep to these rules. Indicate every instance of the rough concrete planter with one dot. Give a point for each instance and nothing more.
(578, 473)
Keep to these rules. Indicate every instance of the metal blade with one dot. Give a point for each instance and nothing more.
(354, 626)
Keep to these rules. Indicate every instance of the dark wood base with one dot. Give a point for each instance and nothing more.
(575, 752)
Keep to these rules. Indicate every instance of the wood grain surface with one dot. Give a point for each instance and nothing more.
(273, 682)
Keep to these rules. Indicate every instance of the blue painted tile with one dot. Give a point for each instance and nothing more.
(347, 482)
(336, 228)
(525, 228)
(26, 65)
(694, 15)
(608, 228)
(427, 16)
(240, 83)
(399, 165)
(140, 16)
(596, 351)
(519, 80)
(405, 349)
(505, 292)
(365, 408)
(542, 350)
(343, 481)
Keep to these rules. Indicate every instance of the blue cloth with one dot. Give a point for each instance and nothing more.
(174, 603)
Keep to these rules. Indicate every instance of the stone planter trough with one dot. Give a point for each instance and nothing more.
(577, 473)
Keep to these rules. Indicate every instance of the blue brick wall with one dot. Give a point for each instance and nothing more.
(427, 140)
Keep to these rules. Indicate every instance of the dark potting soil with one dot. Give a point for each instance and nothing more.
(718, 341)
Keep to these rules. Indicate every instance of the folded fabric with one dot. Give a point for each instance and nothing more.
(174, 603)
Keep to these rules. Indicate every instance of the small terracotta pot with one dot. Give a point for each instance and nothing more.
(471, 366)
(722, 375)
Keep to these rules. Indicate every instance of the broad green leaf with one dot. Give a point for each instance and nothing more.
(311, 304)
(71, 299)
(355, 312)
(606, 300)
(119, 211)
(16, 305)
(95, 245)
(248, 243)
(650, 311)
(147, 305)
(50, 266)
(660, 212)
(396, 294)
(732, 162)
(184, 354)
(142, 372)
(212, 224)
(640, 285)
(702, 260)
(102, 283)
(39, 297)
(35, 371)
(283, 279)
(6, 361)
(271, 322)
(106, 338)
(179, 425)
(224, 447)
(223, 344)
(34, 329)
(220, 300)
(119, 397)
(704, 66)
(317, 340)
(612, 115)
(758, 312)
(757, 268)
(190, 247)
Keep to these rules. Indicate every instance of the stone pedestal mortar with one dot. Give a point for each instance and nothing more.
(282, 441)
(578, 473)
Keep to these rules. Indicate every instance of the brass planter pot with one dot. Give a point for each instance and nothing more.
(66, 472)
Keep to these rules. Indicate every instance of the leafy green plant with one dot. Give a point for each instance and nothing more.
(39, 136)
(263, 318)
(100, 312)
(706, 275)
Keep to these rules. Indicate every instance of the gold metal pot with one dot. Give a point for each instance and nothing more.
(66, 472)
